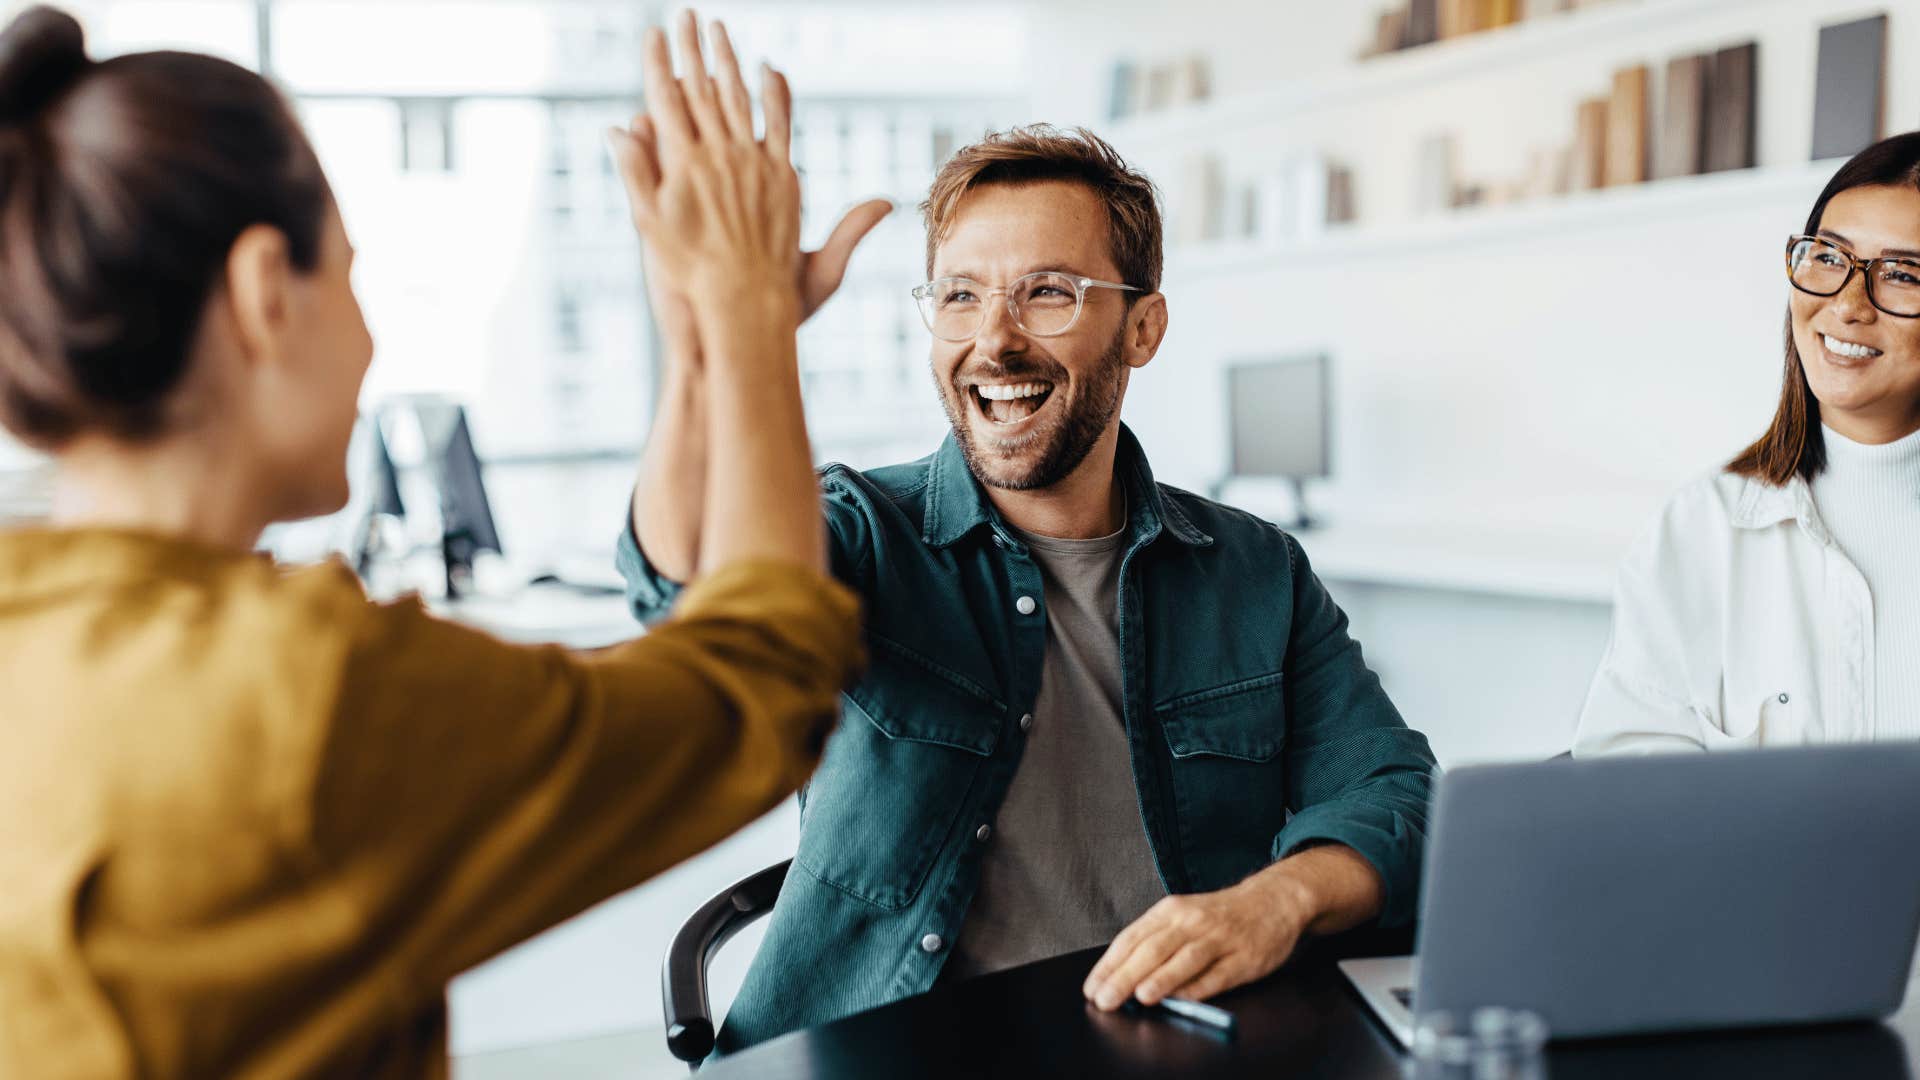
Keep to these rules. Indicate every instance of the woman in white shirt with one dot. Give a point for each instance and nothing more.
(1777, 601)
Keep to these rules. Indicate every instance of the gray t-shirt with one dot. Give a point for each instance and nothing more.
(1067, 864)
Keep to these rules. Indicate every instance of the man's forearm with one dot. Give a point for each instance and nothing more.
(762, 501)
(670, 498)
(1332, 882)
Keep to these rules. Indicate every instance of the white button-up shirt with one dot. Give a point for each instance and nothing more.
(1737, 621)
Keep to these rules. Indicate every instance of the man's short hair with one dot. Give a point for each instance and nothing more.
(1041, 152)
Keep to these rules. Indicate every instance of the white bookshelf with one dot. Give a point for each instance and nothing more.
(1486, 354)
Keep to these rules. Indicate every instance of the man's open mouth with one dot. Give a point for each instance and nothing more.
(1010, 403)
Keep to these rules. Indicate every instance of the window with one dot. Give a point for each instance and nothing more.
(496, 261)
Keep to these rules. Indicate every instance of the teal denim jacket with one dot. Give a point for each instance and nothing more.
(1256, 728)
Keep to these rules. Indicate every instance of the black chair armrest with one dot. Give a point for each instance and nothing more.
(683, 978)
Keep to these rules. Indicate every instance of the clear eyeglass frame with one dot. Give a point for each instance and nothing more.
(926, 298)
(1799, 247)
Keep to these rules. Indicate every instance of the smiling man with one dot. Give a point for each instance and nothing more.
(1100, 709)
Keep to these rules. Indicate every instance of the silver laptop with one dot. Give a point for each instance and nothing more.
(1670, 893)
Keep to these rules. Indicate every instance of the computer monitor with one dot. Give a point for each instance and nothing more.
(382, 479)
(376, 491)
(1279, 421)
(466, 515)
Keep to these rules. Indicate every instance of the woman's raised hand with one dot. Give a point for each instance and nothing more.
(718, 207)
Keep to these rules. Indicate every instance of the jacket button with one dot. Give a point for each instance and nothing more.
(1024, 605)
(931, 943)
(982, 833)
(1026, 722)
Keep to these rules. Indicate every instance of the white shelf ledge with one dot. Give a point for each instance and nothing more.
(1602, 209)
(1409, 69)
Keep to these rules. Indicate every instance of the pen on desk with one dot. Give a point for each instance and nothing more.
(1212, 1016)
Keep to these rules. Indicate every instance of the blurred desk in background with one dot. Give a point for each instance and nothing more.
(1486, 633)
(560, 614)
(1479, 558)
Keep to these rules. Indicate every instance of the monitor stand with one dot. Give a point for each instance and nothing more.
(1301, 519)
(457, 552)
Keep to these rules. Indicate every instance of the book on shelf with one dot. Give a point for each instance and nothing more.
(1682, 142)
(1311, 177)
(1277, 210)
(1342, 203)
(1300, 197)
(1390, 35)
(1731, 96)
(1125, 81)
(1590, 145)
(1199, 211)
(1438, 178)
(1456, 18)
(1160, 79)
(1246, 213)
(1548, 173)
(1850, 99)
(1423, 22)
(1192, 80)
(1627, 128)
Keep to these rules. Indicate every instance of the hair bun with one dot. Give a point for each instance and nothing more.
(41, 54)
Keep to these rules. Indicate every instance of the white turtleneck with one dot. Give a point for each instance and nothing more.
(1869, 498)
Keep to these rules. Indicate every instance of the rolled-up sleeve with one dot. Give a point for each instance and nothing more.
(476, 792)
(650, 594)
(1357, 775)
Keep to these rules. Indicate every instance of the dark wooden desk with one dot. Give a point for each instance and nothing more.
(1303, 1022)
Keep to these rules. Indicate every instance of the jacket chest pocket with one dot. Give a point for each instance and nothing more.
(1229, 776)
(897, 773)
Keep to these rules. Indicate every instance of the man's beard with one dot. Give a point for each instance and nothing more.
(1063, 445)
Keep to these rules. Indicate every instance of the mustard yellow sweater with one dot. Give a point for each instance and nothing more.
(251, 823)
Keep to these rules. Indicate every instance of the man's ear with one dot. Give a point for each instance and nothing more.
(1146, 328)
(259, 283)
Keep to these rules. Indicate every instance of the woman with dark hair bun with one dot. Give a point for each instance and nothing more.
(255, 822)
(1778, 601)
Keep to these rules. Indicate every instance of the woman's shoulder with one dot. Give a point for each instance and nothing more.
(1701, 522)
(1726, 503)
(1693, 527)
(1708, 500)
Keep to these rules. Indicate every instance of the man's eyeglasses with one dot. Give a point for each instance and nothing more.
(1822, 268)
(1044, 304)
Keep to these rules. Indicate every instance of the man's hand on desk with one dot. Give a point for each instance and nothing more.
(1199, 945)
